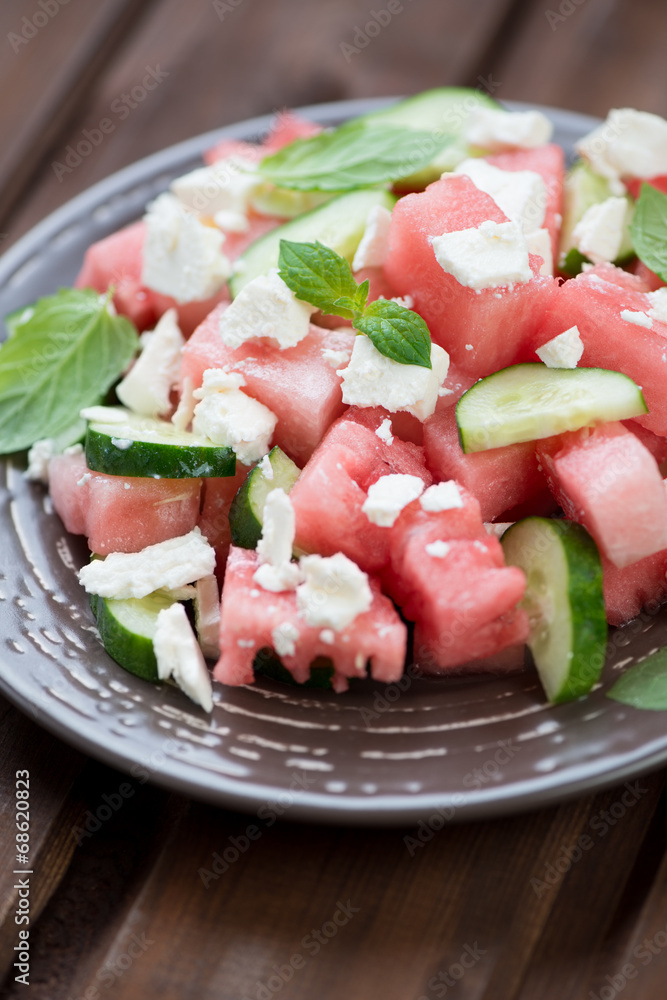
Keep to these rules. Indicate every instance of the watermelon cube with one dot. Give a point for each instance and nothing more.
(628, 589)
(216, 499)
(253, 619)
(605, 479)
(298, 384)
(500, 478)
(120, 513)
(481, 330)
(329, 494)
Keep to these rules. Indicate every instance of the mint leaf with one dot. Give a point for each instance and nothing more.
(648, 229)
(351, 157)
(63, 353)
(397, 332)
(645, 685)
(318, 275)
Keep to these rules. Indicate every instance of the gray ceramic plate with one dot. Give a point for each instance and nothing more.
(457, 748)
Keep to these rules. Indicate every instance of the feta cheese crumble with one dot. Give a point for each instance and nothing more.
(184, 412)
(266, 308)
(638, 318)
(599, 232)
(39, 458)
(336, 358)
(227, 416)
(276, 572)
(334, 591)
(493, 255)
(384, 431)
(438, 549)
(563, 351)
(499, 130)
(374, 246)
(628, 144)
(182, 257)
(658, 300)
(178, 656)
(146, 388)
(442, 496)
(327, 636)
(371, 379)
(222, 191)
(284, 638)
(539, 242)
(520, 194)
(266, 467)
(389, 495)
(169, 564)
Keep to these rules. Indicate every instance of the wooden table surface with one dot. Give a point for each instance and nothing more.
(485, 910)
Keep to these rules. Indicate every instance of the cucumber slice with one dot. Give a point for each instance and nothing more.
(582, 189)
(444, 110)
(339, 224)
(530, 401)
(121, 443)
(564, 601)
(245, 514)
(269, 199)
(269, 664)
(127, 628)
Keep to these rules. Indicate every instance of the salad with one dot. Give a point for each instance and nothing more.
(349, 399)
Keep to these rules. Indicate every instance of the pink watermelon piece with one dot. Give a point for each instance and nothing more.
(500, 478)
(482, 331)
(216, 499)
(286, 128)
(629, 589)
(606, 479)
(649, 278)
(298, 384)
(329, 494)
(617, 276)
(118, 513)
(233, 147)
(250, 616)
(594, 306)
(634, 184)
(117, 260)
(656, 445)
(549, 162)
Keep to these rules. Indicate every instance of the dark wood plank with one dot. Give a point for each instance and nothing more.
(56, 53)
(254, 59)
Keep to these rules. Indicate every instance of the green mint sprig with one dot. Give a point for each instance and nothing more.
(318, 275)
(644, 685)
(351, 157)
(648, 229)
(63, 353)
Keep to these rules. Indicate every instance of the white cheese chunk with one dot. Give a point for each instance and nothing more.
(384, 431)
(374, 246)
(182, 257)
(276, 572)
(539, 242)
(371, 379)
(266, 308)
(498, 130)
(169, 564)
(658, 300)
(599, 232)
(39, 458)
(438, 549)
(266, 467)
(491, 256)
(638, 318)
(442, 496)
(227, 416)
(334, 591)
(184, 412)
(222, 190)
(207, 615)
(389, 495)
(284, 637)
(497, 528)
(327, 636)
(563, 351)
(336, 358)
(520, 194)
(178, 656)
(628, 144)
(146, 389)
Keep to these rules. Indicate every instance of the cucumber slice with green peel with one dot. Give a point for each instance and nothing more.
(121, 443)
(528, 402)
(246, 511)
(127, 628)
(582, 189)
(444, 111)
(269, 664)
(339, 224)
(564, 601)
(270, 199)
